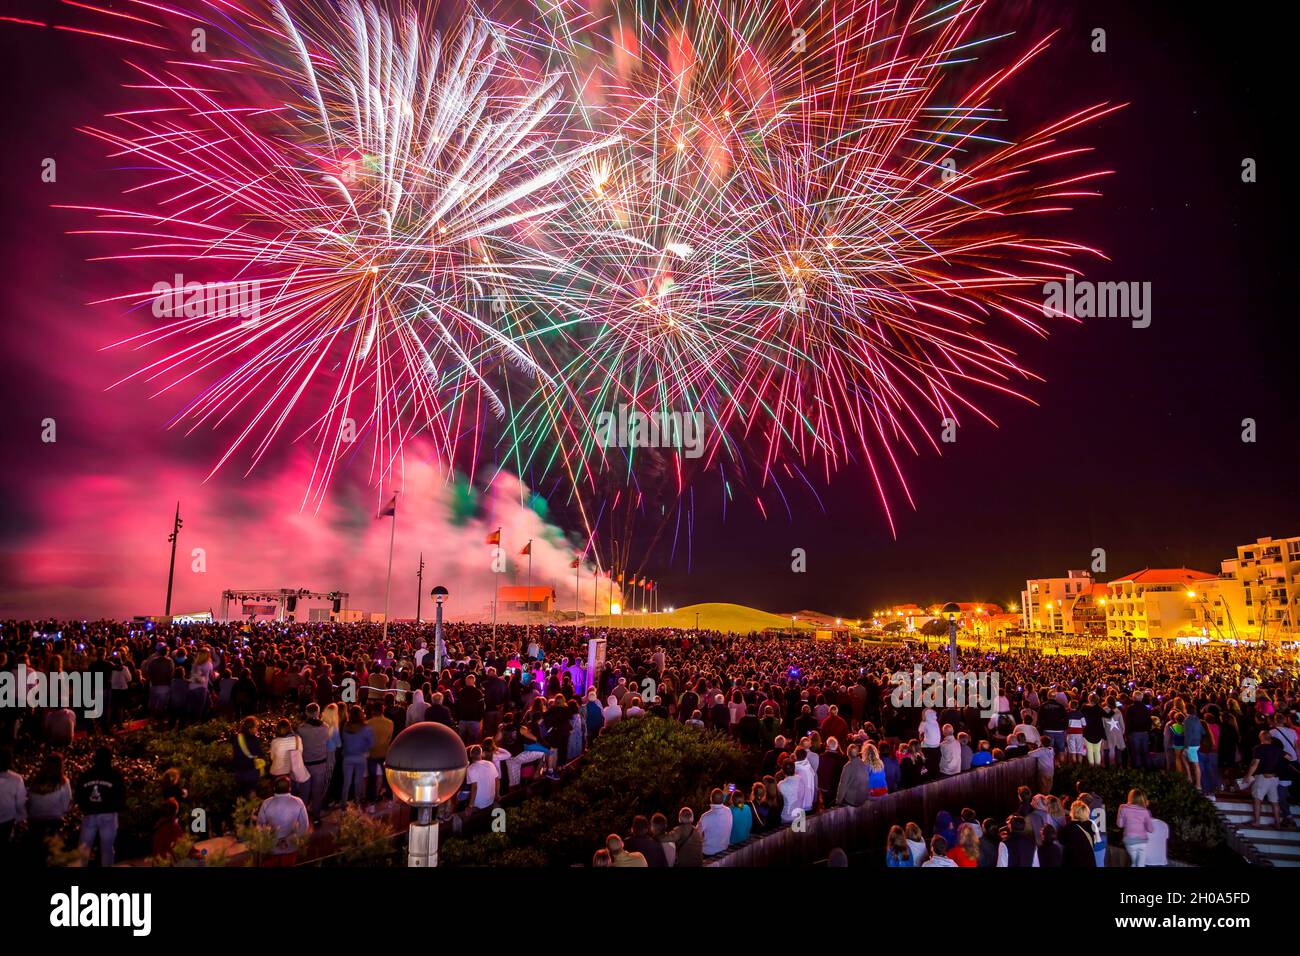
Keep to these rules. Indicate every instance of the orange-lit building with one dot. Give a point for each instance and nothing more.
(519, 598)
(1154, 603)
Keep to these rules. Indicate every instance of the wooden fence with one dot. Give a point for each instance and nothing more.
(990, 791)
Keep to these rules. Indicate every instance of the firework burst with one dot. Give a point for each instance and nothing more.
(801, 222)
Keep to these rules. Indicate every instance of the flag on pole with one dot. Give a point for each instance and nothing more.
(528, 548)
(390, 509)
(494, 537)
(576, 562)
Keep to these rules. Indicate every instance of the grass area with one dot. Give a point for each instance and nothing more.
(732, 618)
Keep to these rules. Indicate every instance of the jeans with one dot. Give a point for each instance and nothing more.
(159, 698)
(354, 778)
(471, 731)
(1139, 743)
(315, 788)
(103, 825)
(1137, 851)
(1210, 778)
(1058, 740)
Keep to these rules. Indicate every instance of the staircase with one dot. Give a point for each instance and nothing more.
(1266, 845)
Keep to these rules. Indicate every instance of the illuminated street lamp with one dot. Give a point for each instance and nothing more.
(951, 611)
(425, 768)
(439, 594)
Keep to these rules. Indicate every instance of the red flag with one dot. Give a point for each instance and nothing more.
(494, 537)
(651, 585)
(575, 562)
(528, 548)
(390, 509)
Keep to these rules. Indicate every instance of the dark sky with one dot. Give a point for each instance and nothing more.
(1134, 444)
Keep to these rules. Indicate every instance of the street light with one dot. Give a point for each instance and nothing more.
(951, 611)
(439, 594)
(425, 767)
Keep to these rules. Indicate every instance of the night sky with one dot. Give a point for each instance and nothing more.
(1134, 444)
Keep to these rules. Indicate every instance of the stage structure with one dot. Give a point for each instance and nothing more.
(283, 604)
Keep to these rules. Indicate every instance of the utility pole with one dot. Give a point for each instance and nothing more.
(419, 587)
(171, 572)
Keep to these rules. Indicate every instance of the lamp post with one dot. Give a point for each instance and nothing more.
(950, 611)
(425, 768)
(1128, 646)
(438, 594)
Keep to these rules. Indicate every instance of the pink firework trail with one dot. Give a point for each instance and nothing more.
(800, 222)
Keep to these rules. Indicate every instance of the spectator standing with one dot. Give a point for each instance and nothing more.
(101, 796)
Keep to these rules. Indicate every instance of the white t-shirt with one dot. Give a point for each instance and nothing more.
(1157, 842)
(486, 775)
(1030, 732)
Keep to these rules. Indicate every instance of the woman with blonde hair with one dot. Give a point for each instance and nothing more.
(1077, 838)
(877, 782)
(200, 674)
(1136, 822)
(916, 843)
(967, 850)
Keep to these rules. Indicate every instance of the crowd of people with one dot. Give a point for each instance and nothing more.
(819, 718)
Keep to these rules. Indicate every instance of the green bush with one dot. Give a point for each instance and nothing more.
(1196, 834)
(644, 765)
(363, 840)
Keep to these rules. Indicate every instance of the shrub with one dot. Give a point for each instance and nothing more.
(643, 765)
(363, 840)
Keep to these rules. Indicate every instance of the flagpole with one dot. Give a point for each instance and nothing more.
(392, 536)
(496, 587)
(528, 594)
(577, 570)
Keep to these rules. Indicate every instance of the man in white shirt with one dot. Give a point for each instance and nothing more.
(483, 779)
(949, 753)
(715, 824)
(790, 789)
(1027, 728)
(613, 713)
(803, 769)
